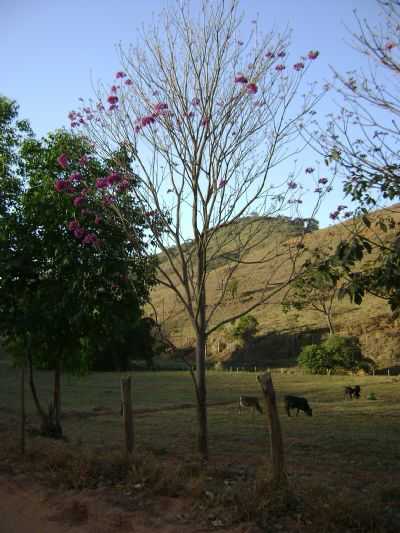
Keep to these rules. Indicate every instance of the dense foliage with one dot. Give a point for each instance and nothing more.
(336, 352)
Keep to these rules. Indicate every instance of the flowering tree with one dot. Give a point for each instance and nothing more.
(62, 304)
(205, 117)
(362, 142)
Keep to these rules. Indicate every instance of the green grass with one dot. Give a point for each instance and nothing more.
(344, 457)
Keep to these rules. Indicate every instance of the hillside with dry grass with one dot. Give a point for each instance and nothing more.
(280, 335)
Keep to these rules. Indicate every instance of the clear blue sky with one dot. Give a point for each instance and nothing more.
(52, 50)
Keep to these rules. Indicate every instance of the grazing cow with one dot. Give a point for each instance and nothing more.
(301, 404)
(350, 392)
(249, 401)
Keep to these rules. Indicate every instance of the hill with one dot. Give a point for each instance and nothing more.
(280, 335)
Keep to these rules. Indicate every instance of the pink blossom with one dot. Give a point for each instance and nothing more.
(282, 53)
(83, 160)
(78, 200)
(298, 66)
(114, 88)
(120, 74)
(128, 82)
(108, 200)
(309, 170)
(270, 55)
(72, 115)
(195, 101)
(280, 67)
(112, 107)
(222, 183)
(146, 121)
(60, 185)
(101, 183)
(123, 186)
(90, 238)
(79, 232)
(75, 176)
(251, 88)
(112, 99)
(390, 45)
(323, 180)
(73, 224)
(292, 185)
(334, 215)
(240, 78)
(205, 121)
(161, 106)
(313, 54)
(112, 178)
(190, 114)
(63, 160)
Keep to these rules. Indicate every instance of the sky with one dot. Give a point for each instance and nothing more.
(54, 51)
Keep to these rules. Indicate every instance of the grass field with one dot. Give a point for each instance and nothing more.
(346, 448)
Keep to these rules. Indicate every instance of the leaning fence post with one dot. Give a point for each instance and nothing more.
(276, 441)
(126, 396)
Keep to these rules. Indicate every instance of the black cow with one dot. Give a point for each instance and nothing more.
(350, 392)
(294, 402)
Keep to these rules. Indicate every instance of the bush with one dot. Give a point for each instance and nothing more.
(245, 328)
(335, 352)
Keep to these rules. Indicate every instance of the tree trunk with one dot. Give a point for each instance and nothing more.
(23, 418)
(57, 397)
(330, 324)
(126, 397)
(201, 393)
(277, 454)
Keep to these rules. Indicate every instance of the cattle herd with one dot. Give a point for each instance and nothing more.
(295, 402)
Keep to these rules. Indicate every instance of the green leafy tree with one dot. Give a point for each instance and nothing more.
(361, 142)
(245, 328)
(64, 302)
(335, 352)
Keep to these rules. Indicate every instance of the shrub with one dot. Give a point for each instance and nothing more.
(245, 328)
(315, 359)
(335, 352)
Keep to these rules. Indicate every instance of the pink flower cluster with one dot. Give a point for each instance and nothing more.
(335, 214)
(75, 186)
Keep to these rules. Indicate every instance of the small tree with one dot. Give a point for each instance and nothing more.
(204, 117)
(245, 328)
(317, 289)
(335, 352)
(61, 303)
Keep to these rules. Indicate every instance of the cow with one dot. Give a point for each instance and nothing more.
(295, 402)
(350, 392)
(249, 401)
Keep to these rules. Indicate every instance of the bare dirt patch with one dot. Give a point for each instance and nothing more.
(28, 508)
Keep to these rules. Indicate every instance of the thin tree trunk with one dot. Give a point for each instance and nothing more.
(330, 324)
(41, 413)
(126, 397)
(277, 453)
(23, 416)
(201, 393)
(57, 396)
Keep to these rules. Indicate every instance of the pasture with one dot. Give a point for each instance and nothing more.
(349, 449)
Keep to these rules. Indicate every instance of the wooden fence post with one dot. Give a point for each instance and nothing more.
(277, 453)
(126, 396)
